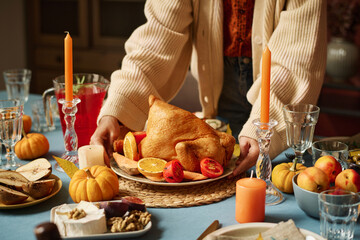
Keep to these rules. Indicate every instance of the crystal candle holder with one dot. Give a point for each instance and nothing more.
(69, 109)
(264, 132)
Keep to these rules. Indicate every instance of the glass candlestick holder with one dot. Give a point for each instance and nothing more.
(69, 109)
(264, 132)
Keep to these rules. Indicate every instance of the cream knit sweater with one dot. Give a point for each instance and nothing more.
(183, 33)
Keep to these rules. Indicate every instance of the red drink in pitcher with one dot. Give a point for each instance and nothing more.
(91, 90)
(91, 98)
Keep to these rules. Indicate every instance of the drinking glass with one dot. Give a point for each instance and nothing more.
(300, 122)
(337, 149)
(17, 82)
(91, 90)
(339, 210)
(11, 112)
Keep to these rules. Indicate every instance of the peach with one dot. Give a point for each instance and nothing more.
(329, 165)
(313, 179)
(349, 180)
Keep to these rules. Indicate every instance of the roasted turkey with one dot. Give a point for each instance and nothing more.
(174, 133)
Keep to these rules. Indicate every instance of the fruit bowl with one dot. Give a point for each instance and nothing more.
(307, 201)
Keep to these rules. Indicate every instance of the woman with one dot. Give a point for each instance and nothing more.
(191, 33)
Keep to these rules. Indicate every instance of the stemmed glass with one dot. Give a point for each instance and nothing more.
(11, 112)
(300, 122)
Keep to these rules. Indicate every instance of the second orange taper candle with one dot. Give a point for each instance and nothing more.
(265, 85)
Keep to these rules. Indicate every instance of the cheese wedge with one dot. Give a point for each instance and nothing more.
(93, 223)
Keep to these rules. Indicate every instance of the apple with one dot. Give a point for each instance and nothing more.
(329, 165)
(313, 179)
(349, 180)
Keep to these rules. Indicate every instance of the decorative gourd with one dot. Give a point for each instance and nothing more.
(27, 123)
(31, 146)
(283, 173)
(98, 183)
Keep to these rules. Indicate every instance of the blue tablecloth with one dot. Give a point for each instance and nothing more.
(168, 223)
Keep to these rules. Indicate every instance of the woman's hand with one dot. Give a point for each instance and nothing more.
(249, 152)
(105, 134)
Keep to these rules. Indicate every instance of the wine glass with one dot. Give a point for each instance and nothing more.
(17, 83)
(11, 112)
(300, 122)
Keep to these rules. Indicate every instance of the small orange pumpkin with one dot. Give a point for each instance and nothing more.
(283, 173)
(31, 146)
(98, 183)
(27, 123)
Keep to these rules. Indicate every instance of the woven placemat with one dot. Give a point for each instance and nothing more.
(178, 196)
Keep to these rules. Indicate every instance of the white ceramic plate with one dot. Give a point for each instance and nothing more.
(108, 235)
(140, 178)
(248, 229)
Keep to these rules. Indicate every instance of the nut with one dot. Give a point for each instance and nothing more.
(136, 220)
(76, 214)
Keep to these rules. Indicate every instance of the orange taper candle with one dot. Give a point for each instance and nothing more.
(250, 200)
(68, 68)
(265, 85)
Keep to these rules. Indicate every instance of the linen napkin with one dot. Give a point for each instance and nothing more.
(282, 231)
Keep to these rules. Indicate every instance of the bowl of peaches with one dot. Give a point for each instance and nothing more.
(326, 174)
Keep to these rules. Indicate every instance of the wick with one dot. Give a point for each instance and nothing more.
(251, 174)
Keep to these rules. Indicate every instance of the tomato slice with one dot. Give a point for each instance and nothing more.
(139, 136)
(211, 168)
(118, 146)
(173, 172)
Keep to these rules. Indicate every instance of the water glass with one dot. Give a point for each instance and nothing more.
(300, 122)
(42, 120)
(338, 150)
(339, 210)
(17, 82)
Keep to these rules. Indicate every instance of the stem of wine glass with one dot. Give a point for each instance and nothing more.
(299, 157)
(10, 157)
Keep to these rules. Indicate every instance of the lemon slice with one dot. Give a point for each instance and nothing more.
(130, 147)
(152, 168)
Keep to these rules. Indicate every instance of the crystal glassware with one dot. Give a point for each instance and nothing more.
(17, 82)
(264, 132)
(300, 122)
(11, 112)
(69, 109)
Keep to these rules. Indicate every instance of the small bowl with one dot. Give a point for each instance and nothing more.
(307, 200)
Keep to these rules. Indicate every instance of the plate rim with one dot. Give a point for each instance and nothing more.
(227, 171)
(102, 235)
(257, 224)
(56, 189)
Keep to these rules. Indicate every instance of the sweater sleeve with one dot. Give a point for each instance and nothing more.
(156, 62)
(297, 41)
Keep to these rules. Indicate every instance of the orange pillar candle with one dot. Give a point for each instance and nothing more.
(68, 68)
(250, 200)
(265, 85)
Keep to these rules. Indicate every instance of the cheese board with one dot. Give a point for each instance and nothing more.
(107, 235)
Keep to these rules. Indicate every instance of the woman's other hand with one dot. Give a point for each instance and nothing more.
(249, 152)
